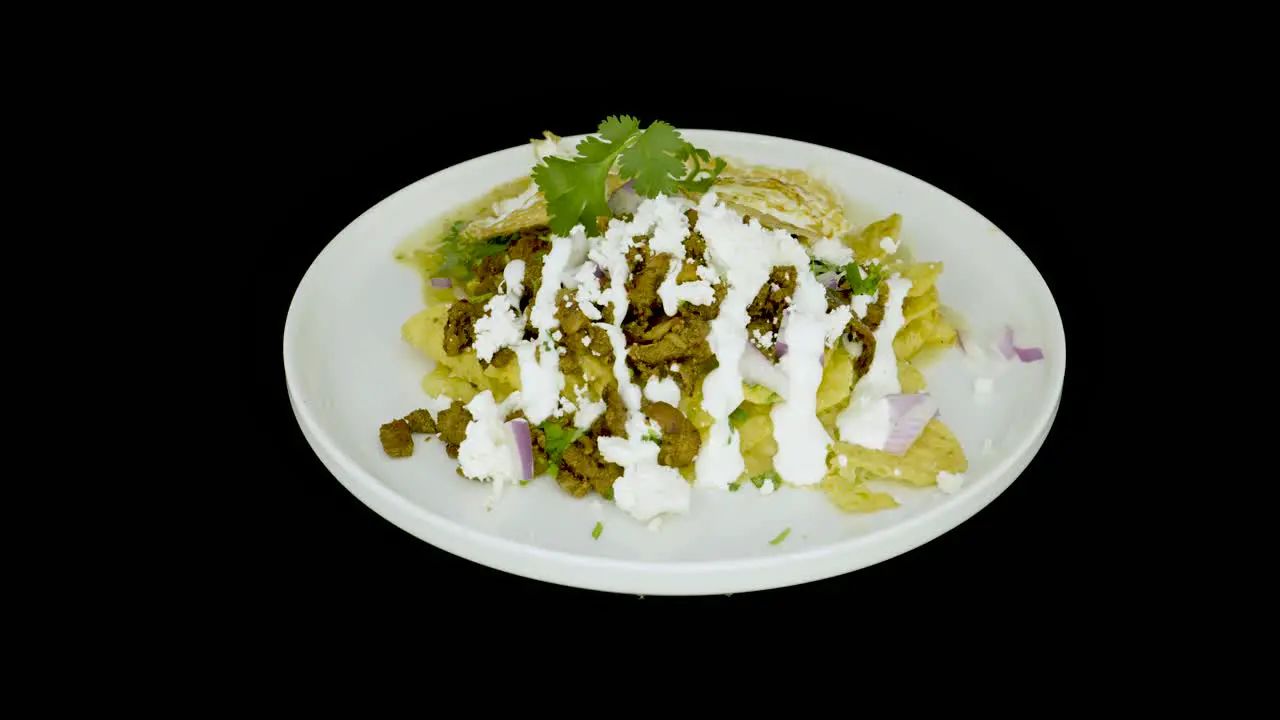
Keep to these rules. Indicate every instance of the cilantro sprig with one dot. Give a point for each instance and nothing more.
(656, 160)
(460, 256)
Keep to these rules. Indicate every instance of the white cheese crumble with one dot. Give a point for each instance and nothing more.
(949, 483)
(540, 381)
(888, 245)
(859, 304)
(832, 252)
(488, 452)
(664, 390)
(836, 322)
(982, 386)
(765, 338)
(588, 409)
(501, 325)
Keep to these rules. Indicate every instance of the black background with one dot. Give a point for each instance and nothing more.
(314, 164)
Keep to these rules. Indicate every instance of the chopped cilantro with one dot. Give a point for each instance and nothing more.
(735, 486)
(758, 480)
(738, 416)
(653, 159)
(653, 437)
(863, 282)
(524, 482)
(608, 493)
(559, 439)
(599, 528)
(781, 536)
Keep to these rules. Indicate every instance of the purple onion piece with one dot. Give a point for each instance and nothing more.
(1027, 355)
(441, 282)
(624, 199)
(780, 349)
(524, 446)
(1010, 350)
(830, 280)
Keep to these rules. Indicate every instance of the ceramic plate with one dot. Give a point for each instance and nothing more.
(348, 371)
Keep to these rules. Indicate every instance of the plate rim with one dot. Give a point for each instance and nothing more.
(695, 577)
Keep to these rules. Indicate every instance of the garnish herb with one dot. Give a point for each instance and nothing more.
(559, 439)
(781, 536)
(860, 283)
(599, 528)
(654, 159)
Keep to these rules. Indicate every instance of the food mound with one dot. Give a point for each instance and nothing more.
(637, 318)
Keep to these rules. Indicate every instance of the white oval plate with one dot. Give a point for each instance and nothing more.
(348, 372)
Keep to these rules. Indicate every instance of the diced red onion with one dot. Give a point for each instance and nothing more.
(519, 428)
(780, 349)
(598, 272)
(441, 282)
(1010, 351)
(624, 199)
(830, 280)
(908, 416)
(1006, 347)
(822, 359)
(1027, 355)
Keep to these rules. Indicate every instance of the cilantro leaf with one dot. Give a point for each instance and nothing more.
(653, 162)
(695, 181)
(595, 532)
(574, 193)
(735, 486)
(781, 536)
(861, 283)
(653, 437)
(738, 416)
